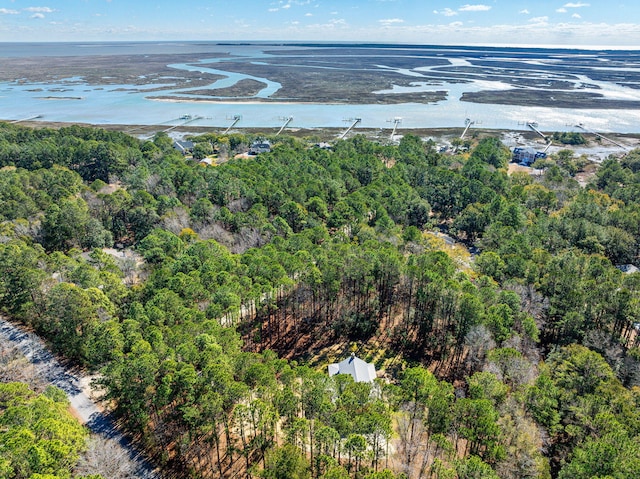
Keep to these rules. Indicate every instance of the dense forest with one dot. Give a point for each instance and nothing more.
(502, 310)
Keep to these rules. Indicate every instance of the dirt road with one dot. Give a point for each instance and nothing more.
(50, 369)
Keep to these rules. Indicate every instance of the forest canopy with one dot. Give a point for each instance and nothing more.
(502, 309)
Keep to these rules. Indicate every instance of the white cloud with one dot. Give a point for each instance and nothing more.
(334, 24)
(474, 8)
(37, 15)
(561, 10)
(440, 29)
(285, 5)
(576, 5)
(539, 20)
(39, 9)
(573, 32)
(447, 12)
(576, 15)
(391, 21)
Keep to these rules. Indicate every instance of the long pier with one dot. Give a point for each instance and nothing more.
(188, 119)
(287, 120)
(355, 122)
(582, 127)
(163, 123)
(26, 119)
(534, 126)
(236, 119)
(468, 124)
(396, 121)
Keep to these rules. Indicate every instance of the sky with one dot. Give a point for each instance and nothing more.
(611, 23)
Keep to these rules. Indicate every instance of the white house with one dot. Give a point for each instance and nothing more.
(361, 371)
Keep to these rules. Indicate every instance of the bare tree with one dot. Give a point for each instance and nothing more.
(15, 367)
(516, 371)
(631, 371)
(602, 342)
(524, 444)
(478, 341)
(625, 364)
(247, 238)
(413, 443)
(531, 301)
(106, 457)
(216, 232)
(176, 220)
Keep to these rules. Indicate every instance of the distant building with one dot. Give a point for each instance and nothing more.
(526, 156)
(627, 268)
(183, 146)
(323, 146)
(258, 147)
(206, 162)
(361, 371)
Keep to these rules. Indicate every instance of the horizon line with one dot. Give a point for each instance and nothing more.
(510, 46)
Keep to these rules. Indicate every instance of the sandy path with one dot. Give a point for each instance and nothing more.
(77, 390)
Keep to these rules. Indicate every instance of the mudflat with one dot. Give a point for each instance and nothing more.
(355, 74)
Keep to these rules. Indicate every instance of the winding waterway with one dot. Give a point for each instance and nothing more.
(73, 100)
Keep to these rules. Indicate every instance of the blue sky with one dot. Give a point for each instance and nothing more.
(528, 22)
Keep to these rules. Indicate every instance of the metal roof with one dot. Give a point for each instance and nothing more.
(360, 370)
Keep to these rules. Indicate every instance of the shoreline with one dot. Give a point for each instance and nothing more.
(137, 129)
(239, 101)
(321, 83)
(596, 149)
(186, 129)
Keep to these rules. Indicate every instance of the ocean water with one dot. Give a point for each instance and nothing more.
(614, 75)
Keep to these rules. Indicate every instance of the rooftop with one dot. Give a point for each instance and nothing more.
(360, 370)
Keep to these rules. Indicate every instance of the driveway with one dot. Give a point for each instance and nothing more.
(53, 372)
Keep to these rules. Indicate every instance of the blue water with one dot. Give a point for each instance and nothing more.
(231, 78)
(72, 100)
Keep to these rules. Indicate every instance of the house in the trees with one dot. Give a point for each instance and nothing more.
(183, 146)
(262, 146)
(323, 146)
(628, 268)
(361, 371)
(526, 156)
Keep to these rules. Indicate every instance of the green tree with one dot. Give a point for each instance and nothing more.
(491, 151)
(71, 317)
(69, 224)
(38, 435)
(474, 468)
(485, 385)
(613, 455)
(286, 462)
(477, 422)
